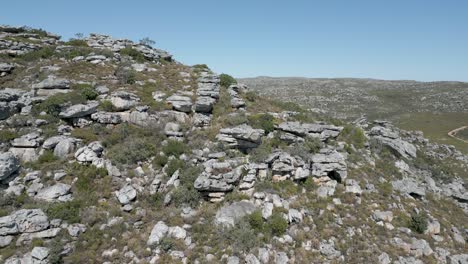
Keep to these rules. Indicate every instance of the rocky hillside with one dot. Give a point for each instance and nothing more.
(349, 98)
(113, 152)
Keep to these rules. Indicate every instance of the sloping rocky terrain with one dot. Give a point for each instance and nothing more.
(350, 98)
(113, 152)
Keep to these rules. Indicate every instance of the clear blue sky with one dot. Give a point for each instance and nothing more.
(395, 39)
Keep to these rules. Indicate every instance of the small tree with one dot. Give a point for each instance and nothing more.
(147, 41)
(79, 35)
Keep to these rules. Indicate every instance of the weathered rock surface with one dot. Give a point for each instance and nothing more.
(59, 192)
(80, 110)
(229, 214)
(9, 164)
(180, 103)
(122, 100)
(321, 131)
(391, 139)
(243, 137)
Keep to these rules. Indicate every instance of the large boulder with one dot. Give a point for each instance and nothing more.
(126, 194)
(158, 232)
(61, 145)
(390, 138)
(23, 221)
(228, 215)
(122, 100)
(243, 137)
(180, 103)
(89, 153)
(79, 110)
(51, 86)
(9, 164)
(204, 104)
(321, 131)
(410, 187)
(31, 140)
(107, 117)
(331, 163)
(58, 192)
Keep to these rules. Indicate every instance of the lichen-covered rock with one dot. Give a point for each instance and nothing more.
(107, 117)
(126, 194)
(23, 221)
(9, 164)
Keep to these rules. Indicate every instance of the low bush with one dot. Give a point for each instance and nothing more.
(277, 224)
(251, 96)
(86, 90)
(160, 161)
(135, 54)
(53, 104)
(132, 150)
(76, 43)
(353, 135)
(175, 148)
(197, 68)
(226, 80)
(125, 74)
(418, 222)
(173, 165)
(46, 157)
(87, 134)
(262, 121)
(256, 220)
(68, 211)
(7, 135)
(107, 106)
(42, 53)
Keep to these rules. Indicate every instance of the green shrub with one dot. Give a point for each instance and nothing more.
(125, 74)
(42, 53)
(87, 91)
(313, 144)
(107, 106)
(160, 160)
(241, 237)
(135, 54)
(175, 148)
(251, 96)
(132, 151)
(76, 43)
(46, 157)
(87, 134)
(7, 135)
(53, 104)
(353, 135)
(261, 153)
(186, 196)
(277, 224)
(68, 211)
(173, 166)
(166, 244)
(201, 68)
(263, 121)
(226, 80)
(418, 222)
(256, 220)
